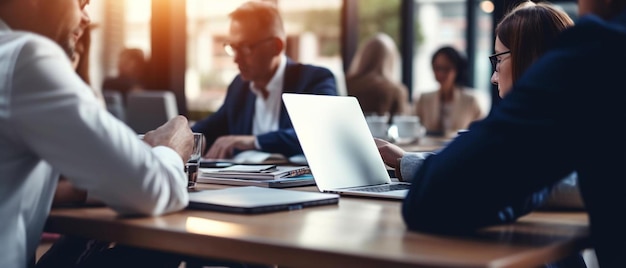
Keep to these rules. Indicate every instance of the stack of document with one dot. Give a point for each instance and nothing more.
(302, 180)
(255, 172)
(258, 157)
(270, 176)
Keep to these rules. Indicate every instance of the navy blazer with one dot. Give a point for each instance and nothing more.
(566, 113)
(236, 114)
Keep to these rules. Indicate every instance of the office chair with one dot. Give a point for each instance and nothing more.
(115, 103)
(147, 110)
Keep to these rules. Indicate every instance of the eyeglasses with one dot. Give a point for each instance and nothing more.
(495, 61)
(233, 49)
(83, 3)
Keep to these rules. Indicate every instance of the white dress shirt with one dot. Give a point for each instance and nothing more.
(267, 111)
(51, 124)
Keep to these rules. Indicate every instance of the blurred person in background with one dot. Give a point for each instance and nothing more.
(131, 71)
(453, 106)
(373, 78)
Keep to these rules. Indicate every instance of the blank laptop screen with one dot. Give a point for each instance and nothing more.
(336, 141)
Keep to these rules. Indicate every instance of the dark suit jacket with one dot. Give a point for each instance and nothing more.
(566, 113)
(236, 114)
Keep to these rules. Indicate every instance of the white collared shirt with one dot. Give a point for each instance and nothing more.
(51, 124)
(267, 111)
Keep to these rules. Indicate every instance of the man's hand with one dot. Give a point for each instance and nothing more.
(175, 134)
(389, 152)
(224, 146)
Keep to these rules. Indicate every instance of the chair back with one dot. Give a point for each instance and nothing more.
(147, 110)
(115, 104)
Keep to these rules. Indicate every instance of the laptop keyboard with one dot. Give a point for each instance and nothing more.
(383, 188)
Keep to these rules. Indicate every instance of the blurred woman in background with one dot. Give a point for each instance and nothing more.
(131, 71)
(374, 80)
(453, 106)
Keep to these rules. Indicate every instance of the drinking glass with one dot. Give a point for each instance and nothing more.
(191, 167)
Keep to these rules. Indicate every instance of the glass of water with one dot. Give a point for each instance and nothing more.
(191, 167)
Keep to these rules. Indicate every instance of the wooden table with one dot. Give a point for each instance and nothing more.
(358, 232)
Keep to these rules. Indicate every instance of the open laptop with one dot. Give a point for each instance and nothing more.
(339, 147)
(252, 199)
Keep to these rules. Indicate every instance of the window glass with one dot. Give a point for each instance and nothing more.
(137, 17)
(95, 9)
(571, 8)
(117, 24)
(312, 26)
(375, 16)
(379, 16)
(440, 23)
(483, 48)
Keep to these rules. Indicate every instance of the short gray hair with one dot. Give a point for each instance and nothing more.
(260, 13)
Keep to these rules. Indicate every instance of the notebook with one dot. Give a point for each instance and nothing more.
(339, 147)
(252, 199)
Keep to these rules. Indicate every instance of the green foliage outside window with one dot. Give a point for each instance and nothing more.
(374, 16)
(382, 16)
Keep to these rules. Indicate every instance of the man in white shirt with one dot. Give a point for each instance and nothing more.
(51, 124)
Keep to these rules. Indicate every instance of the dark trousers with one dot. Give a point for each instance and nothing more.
(77, 252)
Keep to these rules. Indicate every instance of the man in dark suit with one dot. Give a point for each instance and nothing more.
(253, 116)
